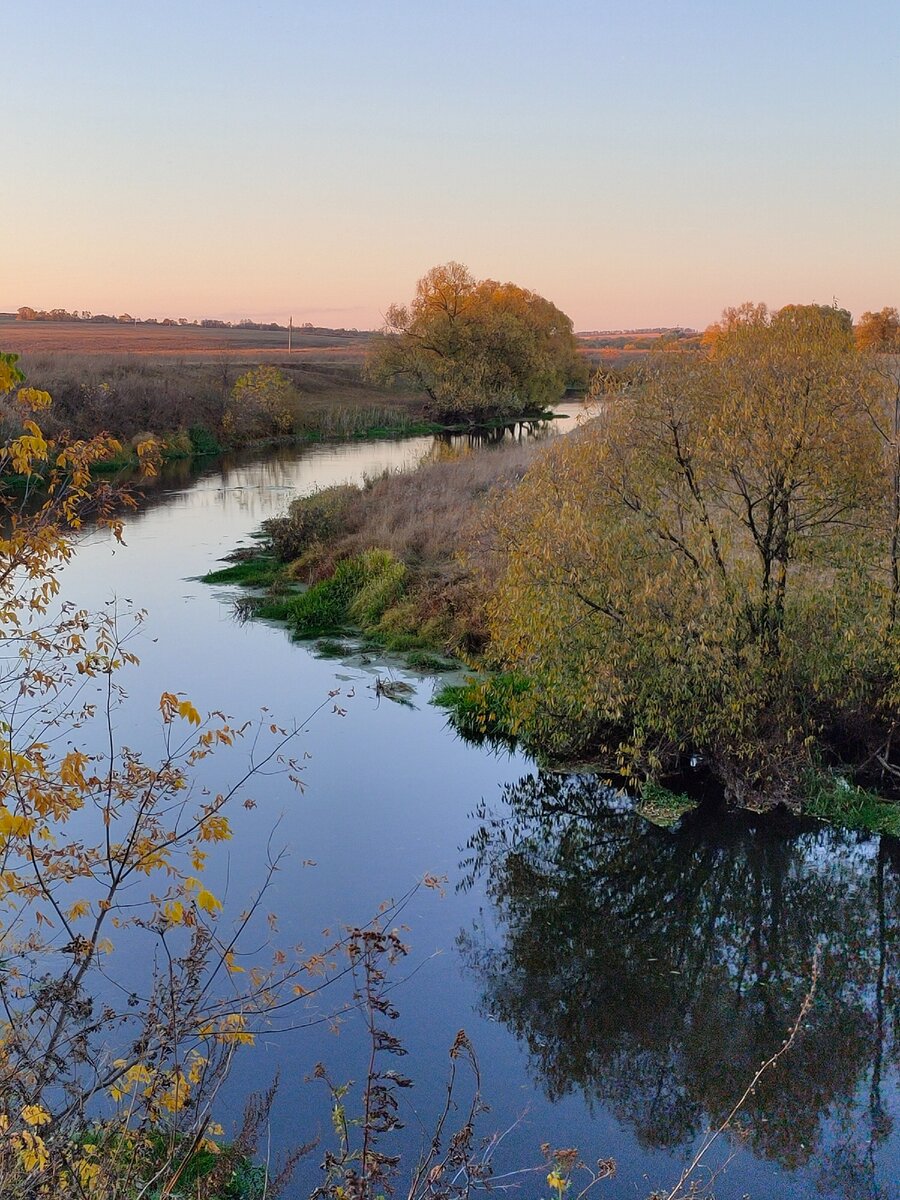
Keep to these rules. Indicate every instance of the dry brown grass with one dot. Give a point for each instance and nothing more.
(125, 394)
(420, 516)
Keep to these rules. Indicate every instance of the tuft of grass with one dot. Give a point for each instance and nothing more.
(356, 594)
(385, 579)
(272, 608)
(258, 571)
(833, 798)
(203, 442)
(332, 648)
(661, 806)
(424, 660)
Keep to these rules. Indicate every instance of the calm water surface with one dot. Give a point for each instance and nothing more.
(620, 982)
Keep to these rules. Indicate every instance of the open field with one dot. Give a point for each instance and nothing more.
(192, 343)
(188, 342)
(129, 379)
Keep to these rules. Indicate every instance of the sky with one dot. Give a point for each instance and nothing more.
(638, 162)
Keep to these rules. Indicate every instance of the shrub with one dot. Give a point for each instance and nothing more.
(262, 404)
(310, 519)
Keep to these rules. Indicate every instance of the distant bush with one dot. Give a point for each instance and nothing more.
(203, 441)
(263, 403)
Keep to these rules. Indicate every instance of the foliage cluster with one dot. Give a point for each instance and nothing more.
(709, 567)
(478, 349)
(263, 403)
(107, 1076)
(879, 331)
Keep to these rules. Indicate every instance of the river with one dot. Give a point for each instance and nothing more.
(620, 982)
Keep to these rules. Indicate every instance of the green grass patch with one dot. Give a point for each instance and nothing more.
(661, 806)
(382, 585)
(424, 660)
(404, 429)
(259, 571)
(400, 641)
(332, 648)
(203, 442)
(486, 709)
(272, 608)
(356, 594)
(835, 799)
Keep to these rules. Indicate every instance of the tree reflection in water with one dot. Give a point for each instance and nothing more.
(653, 970)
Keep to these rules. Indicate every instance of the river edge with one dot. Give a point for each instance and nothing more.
(477, 699)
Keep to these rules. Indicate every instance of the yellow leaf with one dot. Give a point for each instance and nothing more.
(187, 710)
(33, 1114)
(207, 901)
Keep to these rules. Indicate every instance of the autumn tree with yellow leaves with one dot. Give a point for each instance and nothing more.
(101, 849)
(263, 403)
(479, 349)
(703, 571)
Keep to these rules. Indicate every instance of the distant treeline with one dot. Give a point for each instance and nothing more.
(25, 313)
(681, 330)
(635, 339)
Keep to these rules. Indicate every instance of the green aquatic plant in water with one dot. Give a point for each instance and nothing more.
(661, 806)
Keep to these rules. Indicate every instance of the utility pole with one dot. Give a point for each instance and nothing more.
(290, 334)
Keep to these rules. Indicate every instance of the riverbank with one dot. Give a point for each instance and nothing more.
(381, 559)
(407, 563)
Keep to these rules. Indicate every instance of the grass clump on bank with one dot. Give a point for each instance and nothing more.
(662, 806)
(357, 593)
(835, 799)
(257, 571)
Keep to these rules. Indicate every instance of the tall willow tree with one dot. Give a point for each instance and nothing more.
(703, 568)
(477, 349)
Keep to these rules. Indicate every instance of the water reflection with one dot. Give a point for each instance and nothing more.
(653, 970)
(282, 468)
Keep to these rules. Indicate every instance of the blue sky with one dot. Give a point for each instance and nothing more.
(639, 163)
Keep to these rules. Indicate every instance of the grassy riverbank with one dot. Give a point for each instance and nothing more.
(382, 559)
(172, 393)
